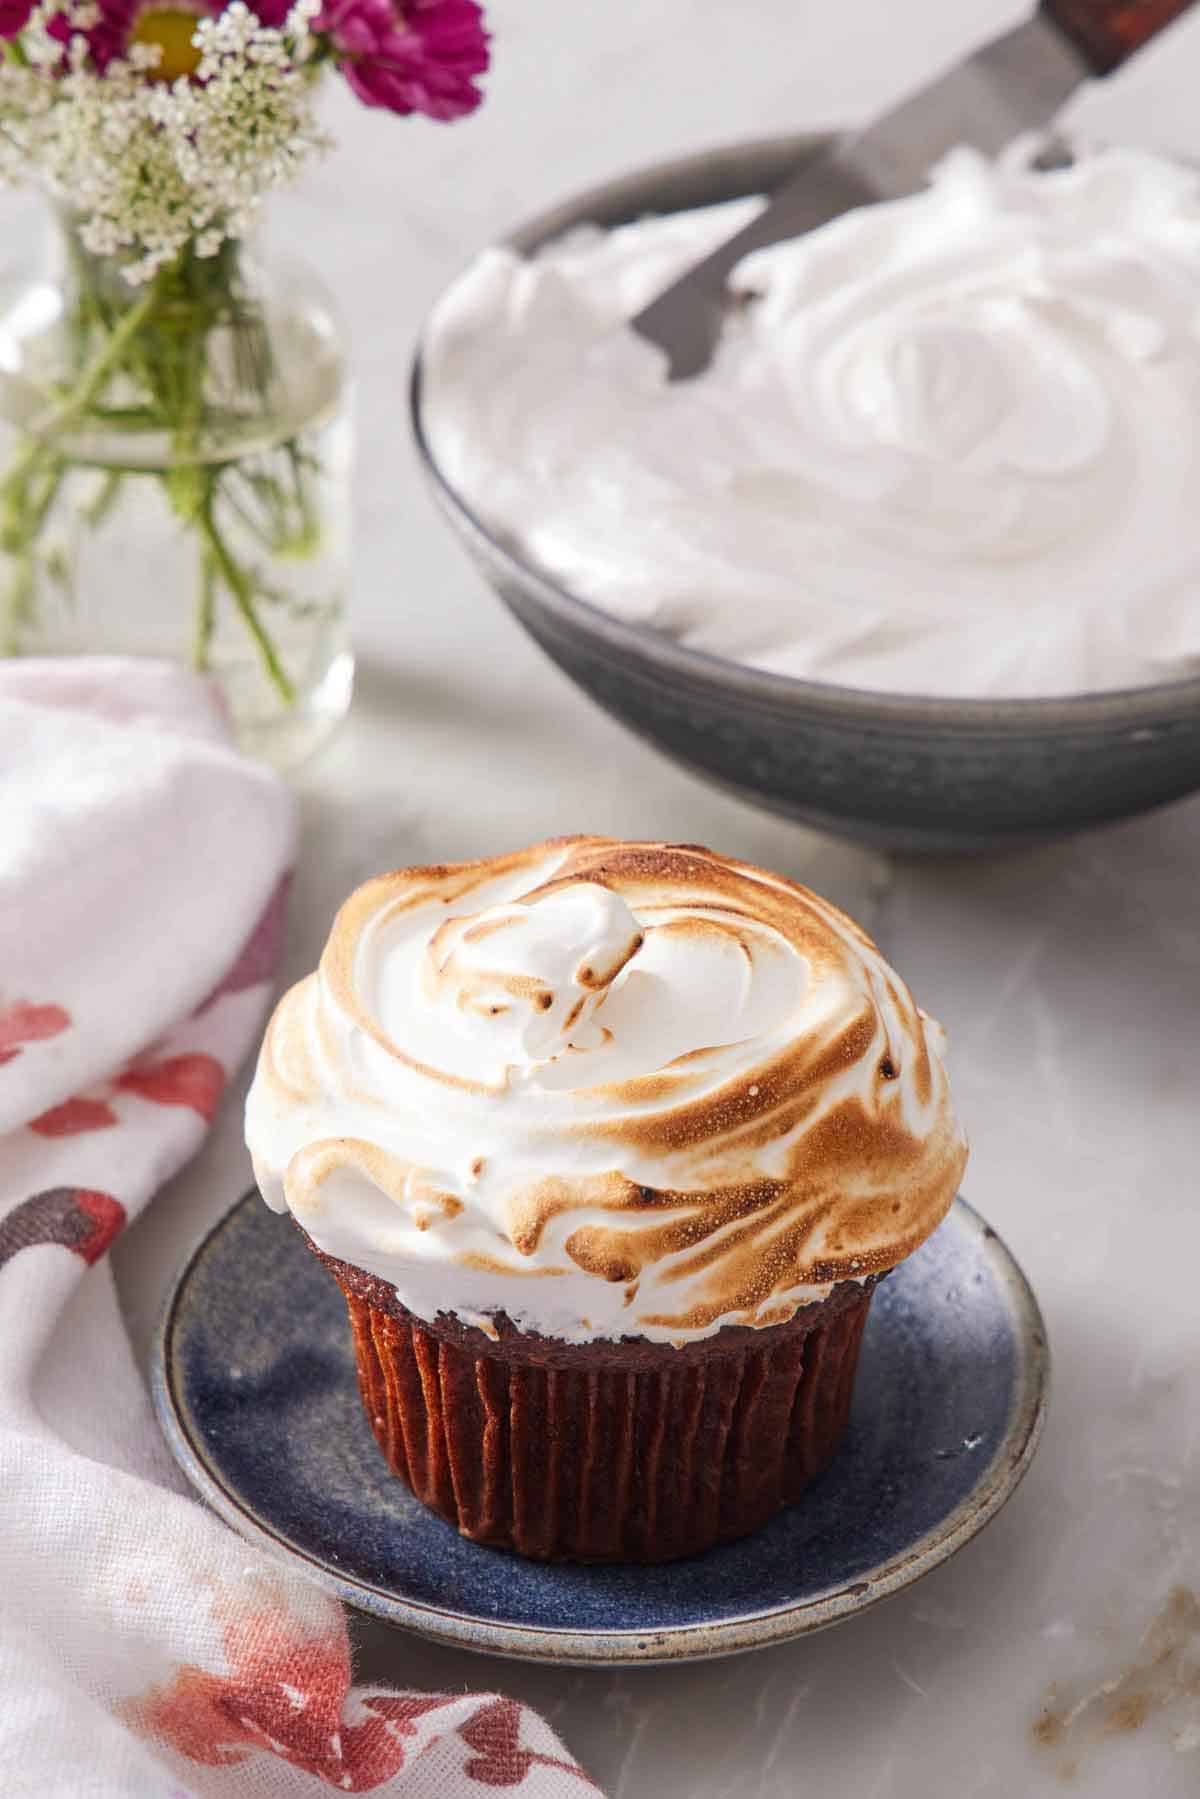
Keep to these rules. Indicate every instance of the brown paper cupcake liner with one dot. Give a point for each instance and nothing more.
(607, 1451)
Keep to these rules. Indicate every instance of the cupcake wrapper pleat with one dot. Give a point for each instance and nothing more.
(604, 1461)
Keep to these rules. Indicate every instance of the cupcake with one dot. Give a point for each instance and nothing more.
(607, 1145)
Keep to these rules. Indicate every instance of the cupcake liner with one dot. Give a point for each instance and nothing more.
(606, 1451)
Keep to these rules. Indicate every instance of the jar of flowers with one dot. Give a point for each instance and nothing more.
(174, 424)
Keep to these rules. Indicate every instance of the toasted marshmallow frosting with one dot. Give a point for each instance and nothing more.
(607, 1090)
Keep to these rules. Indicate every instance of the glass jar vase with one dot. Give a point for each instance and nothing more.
(174, 478)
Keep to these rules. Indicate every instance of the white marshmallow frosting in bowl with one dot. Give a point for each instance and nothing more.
(945, 464)
(948, 446)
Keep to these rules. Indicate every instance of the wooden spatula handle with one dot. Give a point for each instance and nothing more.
(1109, 31)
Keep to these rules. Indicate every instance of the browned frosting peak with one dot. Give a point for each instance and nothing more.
(692, 1092)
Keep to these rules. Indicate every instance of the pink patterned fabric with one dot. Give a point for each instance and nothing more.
(144, 1650)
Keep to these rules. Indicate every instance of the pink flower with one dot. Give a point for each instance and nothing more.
(271, 12)
(409, 55)
(108, 38)
(14, 16)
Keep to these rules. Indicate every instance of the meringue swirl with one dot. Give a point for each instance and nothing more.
(947, 446)
(606, 1089)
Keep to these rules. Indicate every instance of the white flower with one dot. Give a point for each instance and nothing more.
(150, 169)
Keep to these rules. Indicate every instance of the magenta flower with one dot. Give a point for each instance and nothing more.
(409, 55)
(14, 16)
(271, 12)
(108, 38)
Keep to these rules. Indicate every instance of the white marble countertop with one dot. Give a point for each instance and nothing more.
(1069, 979)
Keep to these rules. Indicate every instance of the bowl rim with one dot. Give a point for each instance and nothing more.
(626, 195)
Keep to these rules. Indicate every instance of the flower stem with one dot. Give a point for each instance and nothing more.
(206, 610)
(14, 482)
(141, 364)
(104, 499)
(47, 424)
(18, 591)
(23, 511)
(242, 590)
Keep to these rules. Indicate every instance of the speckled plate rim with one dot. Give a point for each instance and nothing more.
(998, 1480)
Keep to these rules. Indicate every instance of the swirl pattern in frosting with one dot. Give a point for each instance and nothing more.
(948, 447)
(606, 1089)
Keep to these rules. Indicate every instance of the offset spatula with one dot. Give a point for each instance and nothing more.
(1016, 83)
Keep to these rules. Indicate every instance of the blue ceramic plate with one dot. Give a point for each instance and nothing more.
(255, 1386)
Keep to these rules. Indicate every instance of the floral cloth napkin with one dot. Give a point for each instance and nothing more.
(146, 1652)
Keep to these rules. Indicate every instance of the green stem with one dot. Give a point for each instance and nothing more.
(15, 479)
(23, 511)
(241, 588)
(18, 592)
(105, 498)
(158, 346)
(311, 526)
(48, 424)
(206, 610)
(55, 470)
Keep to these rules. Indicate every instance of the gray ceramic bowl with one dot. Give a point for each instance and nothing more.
(900, 771)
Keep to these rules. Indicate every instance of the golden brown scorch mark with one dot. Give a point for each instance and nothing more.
(749, 1239)
(715, 891)
(286, 1060)
(413, 1192)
